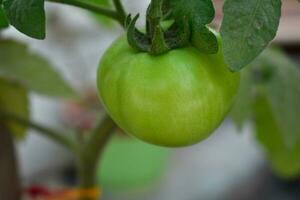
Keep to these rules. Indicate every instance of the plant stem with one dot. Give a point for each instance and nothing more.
(154, 29)
(120, 10)
(45, 131)
(118, 15)
(91, 152)
(10, 187)
(88, 153)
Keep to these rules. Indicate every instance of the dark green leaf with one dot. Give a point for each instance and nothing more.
(28, 16)
(285, 160)
(241, 110)
(14, 100)
(247, 28)
(31, 70)
(3, 21)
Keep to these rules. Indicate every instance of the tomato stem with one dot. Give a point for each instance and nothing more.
(157, 40)
(121, 11)
(45, 131)
(10, 187)
(154, 29)
(119, 15)
(87, 152)
(91, 152)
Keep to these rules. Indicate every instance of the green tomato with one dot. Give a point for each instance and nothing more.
(175, 99)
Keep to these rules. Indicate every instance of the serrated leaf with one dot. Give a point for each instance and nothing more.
(28, 16)
(283, 93)
(31, 70)
(247, 28)
(242, 108)
(3, 21)
(285, 160)
(14, 100)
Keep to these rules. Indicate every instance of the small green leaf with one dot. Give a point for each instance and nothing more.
(14, 100)
(241, 111)
(198, 12)
(285, 160)
(31, 70)
(3, 21)
(28, 16)
(204, 40)
(247, 28)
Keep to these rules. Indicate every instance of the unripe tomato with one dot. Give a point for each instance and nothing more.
(175, 99)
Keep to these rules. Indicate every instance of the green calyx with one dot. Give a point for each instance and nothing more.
(156, 40)
(188, 28)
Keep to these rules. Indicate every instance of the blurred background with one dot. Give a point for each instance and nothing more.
(229, 165)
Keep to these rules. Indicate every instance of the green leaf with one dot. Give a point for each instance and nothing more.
(31, 70)
(3, 21)
(270, 94)
(204, 40)
(198, 12)
(277, 112)
(283, 93)
(242, 108)
(247, 28)
(14, 100)
(28, 16)
(285, 160)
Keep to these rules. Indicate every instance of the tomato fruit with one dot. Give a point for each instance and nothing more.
(175, 99)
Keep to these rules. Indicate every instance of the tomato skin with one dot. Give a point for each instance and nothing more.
(175, 99)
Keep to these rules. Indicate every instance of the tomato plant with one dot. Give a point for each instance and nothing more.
(175, 99)
(170, 83)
